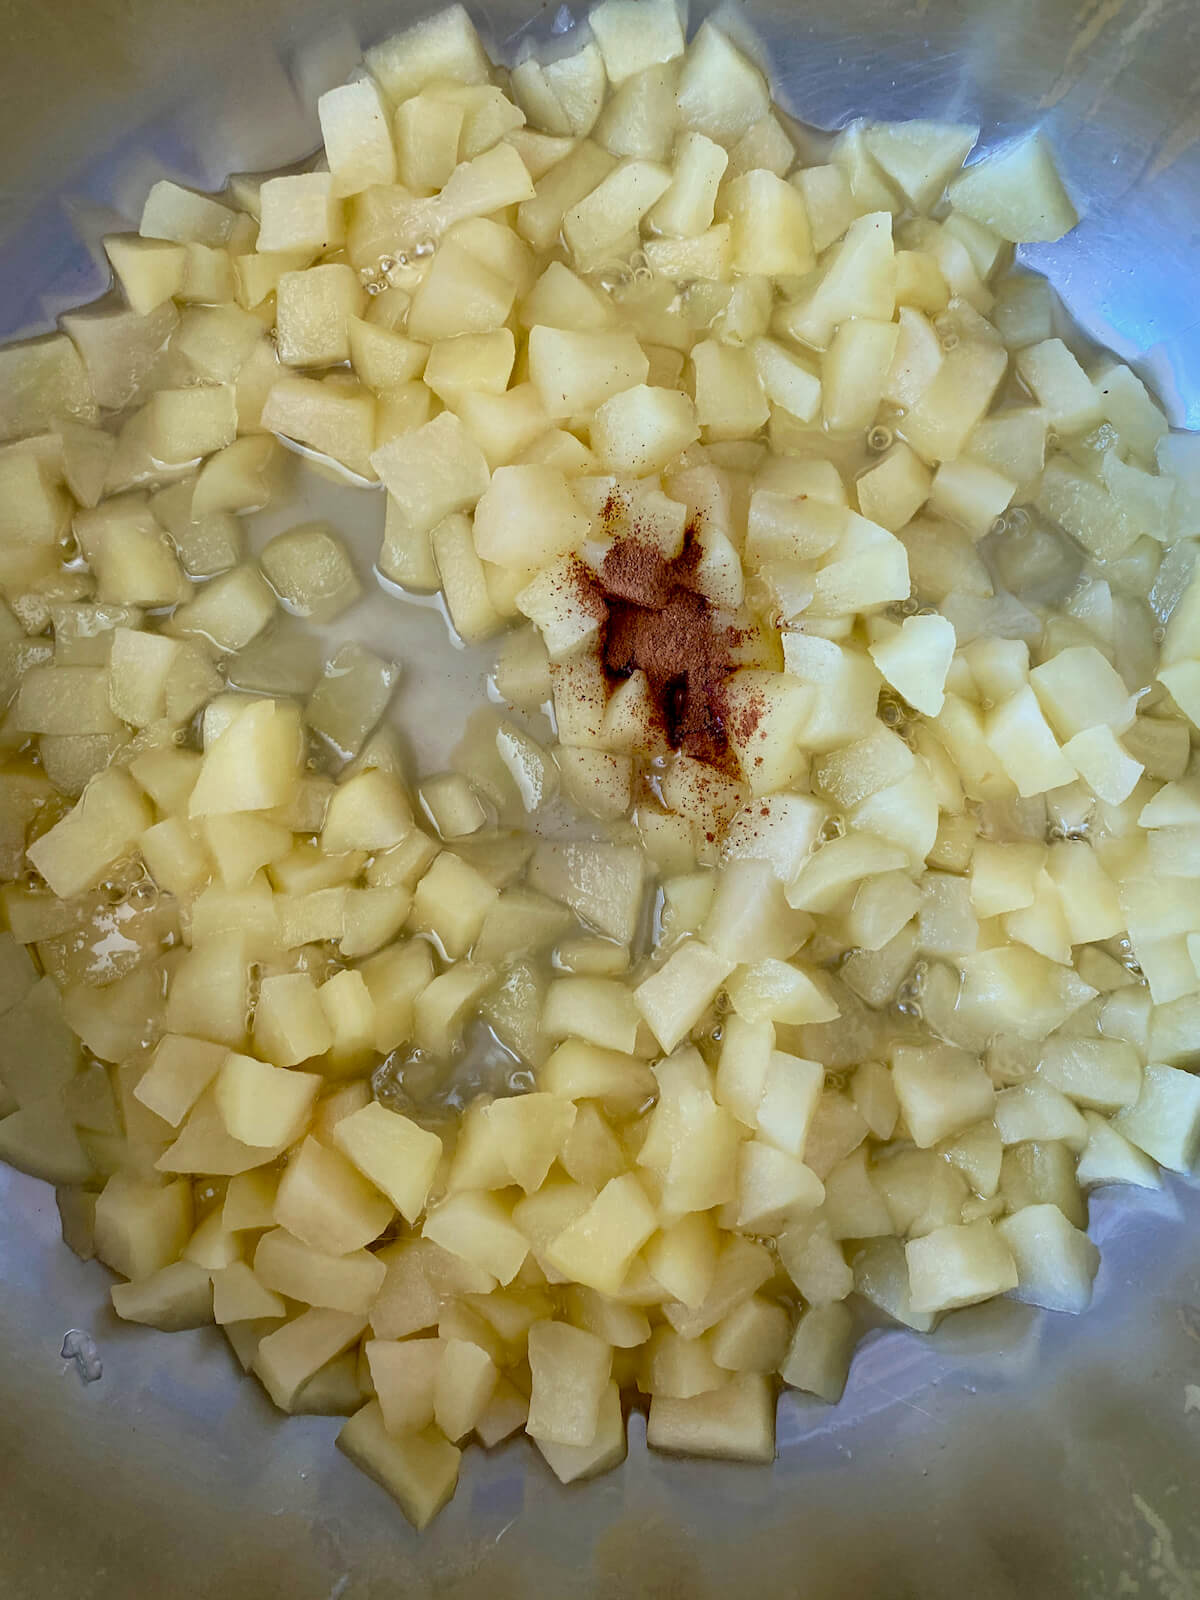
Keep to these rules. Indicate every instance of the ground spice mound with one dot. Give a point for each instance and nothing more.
(657, 623)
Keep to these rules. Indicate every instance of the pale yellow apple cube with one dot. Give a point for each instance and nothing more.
(735, 1422)
(327, 1203)
(478, 1227)
(288, 1357)
(396, 1155)
(141, 1226)
(676, 997)
(598, 1247)
(261, 1104)
(818, 1358)
(419, 1470)
(570, 1370)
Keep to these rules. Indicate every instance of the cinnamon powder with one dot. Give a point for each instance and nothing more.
(657, 622)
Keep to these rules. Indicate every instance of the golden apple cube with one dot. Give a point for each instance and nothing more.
(357, 139)
(253, 765)
(530, 1131)
(104, 825)
(451, 901)
(682, 1257)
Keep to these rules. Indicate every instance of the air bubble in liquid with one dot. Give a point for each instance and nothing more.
(890, 713)
(879, 439)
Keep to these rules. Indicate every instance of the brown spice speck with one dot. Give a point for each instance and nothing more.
(657, 622)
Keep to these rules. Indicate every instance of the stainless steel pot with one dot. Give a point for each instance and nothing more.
(1013, 1452)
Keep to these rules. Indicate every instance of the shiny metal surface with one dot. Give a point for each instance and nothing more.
(1012, 1452)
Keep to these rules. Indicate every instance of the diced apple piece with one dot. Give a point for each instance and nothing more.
(570, 1462)
(641, 430)
(941, 1090)
(404, 1374)
(261, 1104)
(331, 417)
(238, 1296)
(920, 157)
(818, 1358)
(1165, 1119)
(1078, 689)
(633, 36)
(177, 1296)
(357, 139)
(675, 998)
(958, 1265)
(477, 1226)
(1108, 1157)
(343, 1281)
(253, 765)
(1056, 1262)
(325, 1201)
(396, 1155)
(142, 1226)
(570, 1369)
(1018, 193)
(1102, 1074)
(1025, 745)
(105, 824)
(419, 1470)
(597, 1248)
(736, 1422)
